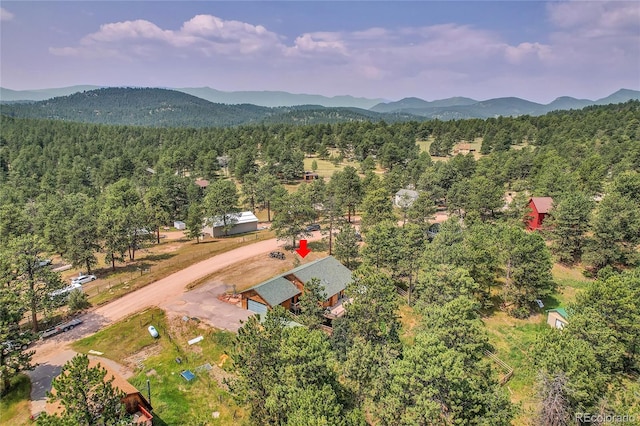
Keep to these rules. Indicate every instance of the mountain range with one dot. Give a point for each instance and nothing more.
(175, 108)
(261, 98)
(460, 108)
(171, 108)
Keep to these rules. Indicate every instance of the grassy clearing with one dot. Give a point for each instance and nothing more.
(409, 320)
(161, 261)
(512, 338)
(130, 334)
(175, 400)
(326, 168)
(570, 282)
(14, 407)
(425, 145)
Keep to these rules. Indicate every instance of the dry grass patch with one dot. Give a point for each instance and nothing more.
(410, 320)
(256, 270)
(154, 265)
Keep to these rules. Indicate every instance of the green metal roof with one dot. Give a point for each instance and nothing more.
(333, 275)
(561, 311)
(276, 290)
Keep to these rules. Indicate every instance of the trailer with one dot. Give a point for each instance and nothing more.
(60, 328)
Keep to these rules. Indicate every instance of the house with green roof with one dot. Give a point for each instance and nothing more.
(557, 318)
(286, 288)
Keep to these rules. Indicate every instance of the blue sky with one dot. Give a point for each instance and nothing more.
(433, 50)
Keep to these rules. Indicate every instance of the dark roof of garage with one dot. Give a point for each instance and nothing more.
(276, 290)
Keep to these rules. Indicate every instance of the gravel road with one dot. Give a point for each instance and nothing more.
(167, 292)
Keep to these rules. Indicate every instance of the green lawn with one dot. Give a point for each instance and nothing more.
(126, 337)
(14, 407)
(175, 401)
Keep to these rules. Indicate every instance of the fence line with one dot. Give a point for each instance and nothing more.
(506, 368)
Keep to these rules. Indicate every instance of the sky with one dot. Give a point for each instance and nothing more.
(534, 50)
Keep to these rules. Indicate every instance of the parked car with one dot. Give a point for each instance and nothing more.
(64, 292)
(313, 227)
(12, 345)
(82, 279)
(44, 262)
(153, 332)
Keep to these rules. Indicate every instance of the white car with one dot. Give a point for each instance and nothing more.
(83, 279)
(153, 332)
(65, 291)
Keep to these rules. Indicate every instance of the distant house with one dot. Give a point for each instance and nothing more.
(179, 225)
(405, 198)
(557, 318)
(309, 176)
(136, 404)
(540, 208)
(242, 222)
(286, 289)
(202, 183)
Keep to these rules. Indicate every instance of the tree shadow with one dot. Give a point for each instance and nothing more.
(320, 245)
(550, 302)
(159, 256)
(157, 421)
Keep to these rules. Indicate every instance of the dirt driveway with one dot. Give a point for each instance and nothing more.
(167, 293)
(214, 311)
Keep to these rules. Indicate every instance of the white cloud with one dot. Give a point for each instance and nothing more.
(589, 42)
(204, 34)
(527, 51)
(5, 15)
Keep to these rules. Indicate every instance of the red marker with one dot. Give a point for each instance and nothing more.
(303, 250)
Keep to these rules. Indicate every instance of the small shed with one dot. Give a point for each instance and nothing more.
(540, 208)
(242, 222)
(180, 225)
(557, 318)
(309, 176)
(405, 198)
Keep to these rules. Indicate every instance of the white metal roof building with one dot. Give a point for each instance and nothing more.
(241, 222)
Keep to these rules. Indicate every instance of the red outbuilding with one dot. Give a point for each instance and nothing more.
(540, 208)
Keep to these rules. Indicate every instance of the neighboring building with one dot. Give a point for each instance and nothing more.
(557, 318)
(242, 222)
(180, 225)
(135, 403)
(405, 198)
(309, 176)
(286, 289)
(540, 208)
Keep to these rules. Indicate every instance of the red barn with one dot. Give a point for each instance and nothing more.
(540, 207)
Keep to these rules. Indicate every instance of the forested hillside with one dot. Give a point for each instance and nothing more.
(170, 108)
(86, 190)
